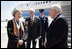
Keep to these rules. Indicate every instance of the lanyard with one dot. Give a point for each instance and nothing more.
(20, 30)
(16, 26)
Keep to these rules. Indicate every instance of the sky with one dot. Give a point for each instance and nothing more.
(7, 8)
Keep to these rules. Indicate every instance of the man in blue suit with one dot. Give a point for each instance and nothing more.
(44, 26)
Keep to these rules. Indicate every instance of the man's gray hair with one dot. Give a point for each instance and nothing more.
(32, 10)
(56, 7)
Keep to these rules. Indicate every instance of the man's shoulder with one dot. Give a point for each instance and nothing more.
(46, 17)
(61, 20)
(61, 17)
(28, 18)
(36, 17)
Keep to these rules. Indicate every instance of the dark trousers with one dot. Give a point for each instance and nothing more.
(29, 42)
(40, 44)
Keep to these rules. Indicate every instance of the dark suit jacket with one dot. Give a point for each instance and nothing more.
(33, 29)
(44, 27)
(12, 38)
(57, 33)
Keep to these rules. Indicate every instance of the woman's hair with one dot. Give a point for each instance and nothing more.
(15, 11)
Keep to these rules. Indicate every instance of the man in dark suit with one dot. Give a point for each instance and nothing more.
(33, 28)
(44, 27)
(58, 29)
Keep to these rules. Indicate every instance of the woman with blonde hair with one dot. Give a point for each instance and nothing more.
(15, 30)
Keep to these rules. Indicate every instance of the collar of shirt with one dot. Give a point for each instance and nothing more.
(56, 15)
(41, 16)
(18, 25)
(33, 17)
(49, 20)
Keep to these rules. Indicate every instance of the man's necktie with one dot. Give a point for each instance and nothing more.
(31, 21)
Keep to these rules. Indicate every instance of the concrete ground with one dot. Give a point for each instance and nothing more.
(4, 38)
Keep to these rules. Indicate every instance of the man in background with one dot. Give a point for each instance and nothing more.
(33, 30)
(44, 27)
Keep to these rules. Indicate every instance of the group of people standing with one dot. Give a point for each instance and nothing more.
(49, 36)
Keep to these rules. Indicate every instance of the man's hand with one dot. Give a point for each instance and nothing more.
(26, 22)
(39, 37)
(20, 42)
(45, 43)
